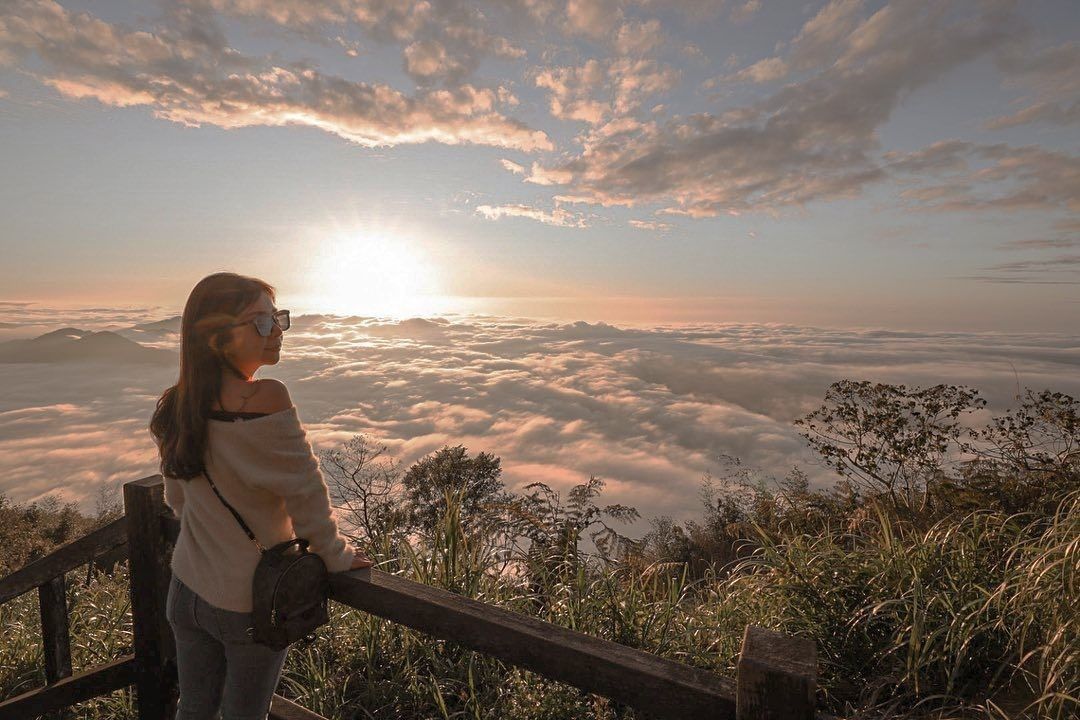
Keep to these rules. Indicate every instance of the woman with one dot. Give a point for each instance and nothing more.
(247, 435)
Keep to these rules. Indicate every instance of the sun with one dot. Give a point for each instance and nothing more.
(366, 273)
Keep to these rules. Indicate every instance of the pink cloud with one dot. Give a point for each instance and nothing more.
(187, 74)
(1051, 80)
(512, 166)
(594, 18)
(558, 216)
(1010, 178)
(649, 225)
(745, 10)
(763, 71)
(638, 38)
(597, 91)
(441, 40)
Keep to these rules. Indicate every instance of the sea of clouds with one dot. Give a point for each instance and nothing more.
(649, 410)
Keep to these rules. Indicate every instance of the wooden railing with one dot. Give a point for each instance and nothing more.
(775, 679)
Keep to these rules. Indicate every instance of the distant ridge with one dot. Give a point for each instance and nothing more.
(158, 332)
(171, 324)
(72, 345)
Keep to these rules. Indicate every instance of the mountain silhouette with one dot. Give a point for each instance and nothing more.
(71, 345)
(171, 324)
(155, 333)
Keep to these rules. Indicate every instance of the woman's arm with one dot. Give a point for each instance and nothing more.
(297, 478)
(174, 489)
(174, 494)
(307, 501)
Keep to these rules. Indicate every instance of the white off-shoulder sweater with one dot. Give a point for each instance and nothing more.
(266, 469)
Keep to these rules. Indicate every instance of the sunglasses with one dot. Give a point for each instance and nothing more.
(265, 322)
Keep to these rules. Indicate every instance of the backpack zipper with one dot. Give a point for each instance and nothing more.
(273, 595)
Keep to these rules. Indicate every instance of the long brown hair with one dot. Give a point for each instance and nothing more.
(179, 421)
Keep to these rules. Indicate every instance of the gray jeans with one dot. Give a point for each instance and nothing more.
(219, 666)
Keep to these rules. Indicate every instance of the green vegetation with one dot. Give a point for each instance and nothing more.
(938, 575)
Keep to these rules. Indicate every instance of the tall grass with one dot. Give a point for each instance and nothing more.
(953, 598)
(974, 617)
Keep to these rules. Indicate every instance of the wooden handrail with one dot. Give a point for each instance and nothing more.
(634, 677)
(82, 686)
(644, 681)
(63, 559)
(776, 673)
(47, 575)
(284, 709)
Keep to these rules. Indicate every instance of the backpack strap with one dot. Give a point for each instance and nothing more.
(232, 510)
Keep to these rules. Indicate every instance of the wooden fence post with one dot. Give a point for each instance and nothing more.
(776, 678)
(148, 560)
(52, 602)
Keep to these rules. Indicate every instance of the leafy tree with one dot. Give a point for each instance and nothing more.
(475, 481)
(1042, 435)
(890, 438)
(33, 530)
(1025, 459)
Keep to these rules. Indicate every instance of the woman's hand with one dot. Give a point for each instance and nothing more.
(361, 561)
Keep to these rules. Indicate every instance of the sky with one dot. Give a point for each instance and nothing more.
(610, 237)
(906, 165)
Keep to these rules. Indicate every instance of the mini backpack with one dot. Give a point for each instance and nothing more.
(289, 589)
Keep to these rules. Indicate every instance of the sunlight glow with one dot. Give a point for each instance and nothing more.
(365, 273)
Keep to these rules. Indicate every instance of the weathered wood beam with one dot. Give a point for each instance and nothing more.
(170, 526)
(284, 709)
(70, 556)
(148, 560)
(776, 676)
(75, 689)
(642, 680)
(52, 602)
(107, 561)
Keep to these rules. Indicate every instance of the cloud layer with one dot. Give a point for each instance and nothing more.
(647, 409)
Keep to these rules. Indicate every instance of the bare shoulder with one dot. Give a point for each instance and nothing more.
(274, 395)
